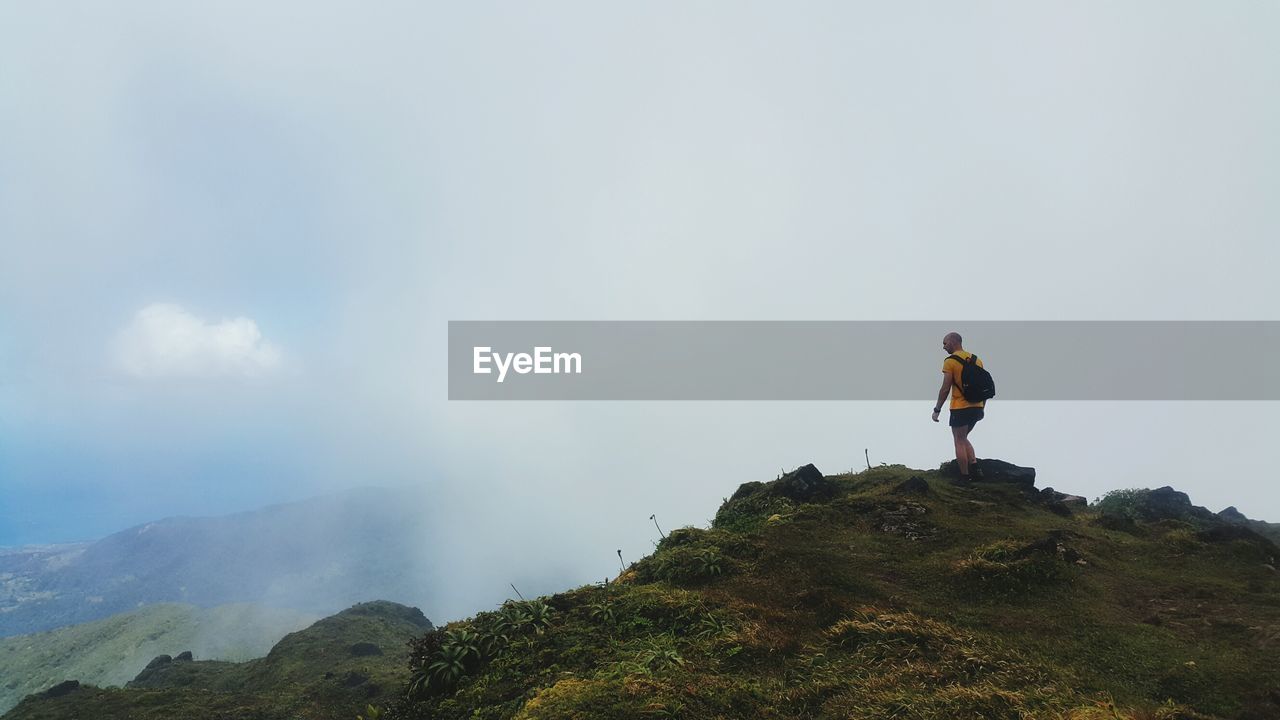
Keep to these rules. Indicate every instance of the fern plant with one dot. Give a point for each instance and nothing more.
(660, 655)
(458, 651)
(602, 612)
(709, 564)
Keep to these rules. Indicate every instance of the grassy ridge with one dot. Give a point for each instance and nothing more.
(866, 595)
(113, 650)
(859, 599)
(329, 670)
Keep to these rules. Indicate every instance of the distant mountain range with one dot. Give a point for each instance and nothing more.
(112, 651)
(330, 670)
(315, 556)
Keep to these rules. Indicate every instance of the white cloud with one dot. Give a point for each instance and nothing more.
(164, 340)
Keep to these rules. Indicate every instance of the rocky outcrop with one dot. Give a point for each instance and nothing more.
(158, 661)
(994, 471)
(1232, 515)
(803, 485)
(62, 688)
(1074, 502)
(1165, 503)
(1060, 503)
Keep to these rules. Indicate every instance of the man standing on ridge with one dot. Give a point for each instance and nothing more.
(964, 414)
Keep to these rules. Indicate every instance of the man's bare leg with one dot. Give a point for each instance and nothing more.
(973, 458)
(964, 450)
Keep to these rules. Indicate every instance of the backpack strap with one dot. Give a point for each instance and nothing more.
(973, 360)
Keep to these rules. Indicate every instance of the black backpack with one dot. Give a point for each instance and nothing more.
(975, 383)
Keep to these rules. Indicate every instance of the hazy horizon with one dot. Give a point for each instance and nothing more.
(233, 236)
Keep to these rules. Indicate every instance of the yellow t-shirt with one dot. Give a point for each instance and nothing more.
(952, 366)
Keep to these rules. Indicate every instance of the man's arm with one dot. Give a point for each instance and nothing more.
(942, 394)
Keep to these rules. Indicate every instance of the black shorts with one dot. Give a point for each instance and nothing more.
(965, 416)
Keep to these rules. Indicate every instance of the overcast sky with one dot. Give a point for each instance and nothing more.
(231, 236)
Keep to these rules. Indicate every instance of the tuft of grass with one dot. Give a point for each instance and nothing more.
(1182, 539)
(1006, 569)
(748, 514)
(691, 556)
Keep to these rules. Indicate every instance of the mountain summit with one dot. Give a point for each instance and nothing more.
(886, 593)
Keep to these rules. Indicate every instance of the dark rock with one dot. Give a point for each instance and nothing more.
(1075, 502)
(62, 688)
(1226, 533)
(913, 485)
(1057, 507)
(1004, 472)
(994, 471)
(353, 678)
(184, 656)
(1072, 501)
(1061, 503)
(364, 649)
(804, 484)
(1167, 503)
(1232, 515)
(159, 660)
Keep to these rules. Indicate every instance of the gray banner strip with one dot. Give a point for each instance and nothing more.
(859, 360)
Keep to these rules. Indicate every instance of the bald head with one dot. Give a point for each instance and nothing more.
(952, 342)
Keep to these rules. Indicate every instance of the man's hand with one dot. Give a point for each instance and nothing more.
(935, 415)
